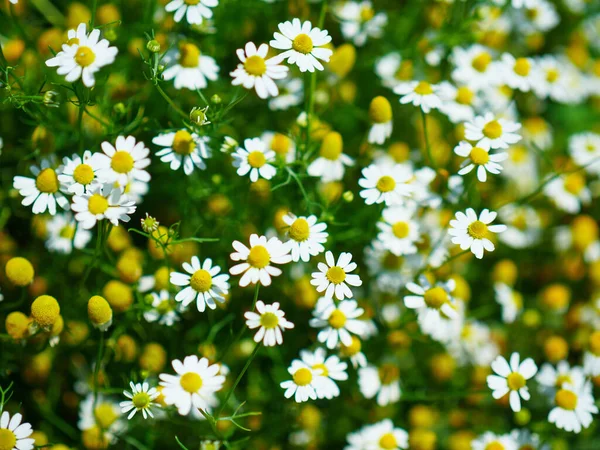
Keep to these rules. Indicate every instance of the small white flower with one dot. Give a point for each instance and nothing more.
(573, 407)
(511, 378)
(551, 379)
(182, 148)
(102, 413)
(380, 113)
(254, 159)
(591, 357)
(126, 161)
(255, 71)
(163, 308)
(330, 163)
(63, 235)
(518, 73)
(291, 93)
(419, 93)
(428, 297)
(191, 68)
(471, 232)
(270, 323)
(205, 284)
(380, 435)
(510, 300)
(386, 183)
(490, 440)
(382, 383)
(333, 279)
(481, 158)
(331, 369)
(303, 382)
(474, 67)
(399, 231)
(359, 21)
(80, 174)
(493, 133)
(15, 432)
(307, 236)
(569, 192)
(337, 322)
(104, 202)
(43, 191)
(458, 102)
(141, 398)
(195, 11)
(585, 151)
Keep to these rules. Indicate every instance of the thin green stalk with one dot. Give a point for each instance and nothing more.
(170, 102)
(93, 18)
(427, 144)
(97, 367)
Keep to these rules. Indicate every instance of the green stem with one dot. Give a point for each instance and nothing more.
(170, 102)
(97, 367)
(93, 18)
(427, 144)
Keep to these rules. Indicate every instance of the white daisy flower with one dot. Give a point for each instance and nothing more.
(331, 369)
(283, 146)
(270, 321)
(83, 55)
(382, 436)
(141, 398)
(291, 93)
(391, 272)
(330, 163)
(386, 183)
(258, 258)
(573, 407)
(190, 69)
(511, 378)
(585, 151)
(388, 69)
(307, 236)
(537, 132)
(493, 133)
(382, 383)
(473, 67)
(255, 71)
(490, 440)
(79, 174)
(14, 435)
(399, 231)
(359, 21)
(419, 93)
(353, 351)
(569, 192)
(510, 300)
(104, 202)
(123, 162)
(43, 191)
(436, 298)
(479, 157)
(518, 73)
(195, 11)
(163, 309)
(551, 379)
(254, 159)
(471, 232)
(458, 102)
(380, 113)
(333, 279)
(527, 440)
(205, 284)
(100, 413)
(303, 44)
(182, 148)
(539, 15)
(194, 385)
(591, 357)
(552, 79)
(337, 322)
(303, 382)
(63, 235)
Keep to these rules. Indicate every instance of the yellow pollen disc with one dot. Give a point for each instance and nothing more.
(574, 183)
(352, 349)
(388, 373)
(477, 230)
(566, 399)
(366, 14)
(494, 446)
(479, 156)
(518, 154)
(97, 204)
(337, 319)
(322, 368)
(552, 75)
(423, 88)
(299, 231)
(464, 95)
(257, 159)
(121, 162)
(303, 44)
(492, 130)
(201, 281)
(189, 55)
(105, 415)
(336, 275)
(280, 144)
(84, 56)
(190, 382)
(515, 381)
(435, 297)
(259, 257)
(191, 2)
(386, 184)
(83, 174)
(481, 62)
(269, 320)
(531, 13)
(47, 181)
(535, 125)
(164, 307)
(332, 146)
(595, 343)
(141, 400)
(67, 232)
(522, 67)
(183, 143)
(303, 376)
(400, 229)
(388, 441)
(561, 379)
(380, 110)
(73, 41)
(255, 65)
(7, 439)
(517, 299)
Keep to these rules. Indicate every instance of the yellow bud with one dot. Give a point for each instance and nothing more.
(19, 271)
(17, 325)
(153, 357)
(45, 311)
(118, 294)
(99, 312)
(343, 59)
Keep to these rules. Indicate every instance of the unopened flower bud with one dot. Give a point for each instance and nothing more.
(153, 46)
(216, 99)
(198, 116)
(348, 196)
(51, 99)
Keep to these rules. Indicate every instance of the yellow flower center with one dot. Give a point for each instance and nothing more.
(352, 349)
(97, 204)
(47, 181)
(479, 156)
(535, 125)
(552, 75)
(191, 2)
(84, 56)
(400, 229)
(464, 95)
(380, 110)
(388, 441)
(303, 44)
(183, 143)
(257, 159)
(73, 41)
(105, 415)
(560, 379)
(201, 281)
(574, 183)
(255, 65)
(303, 376)
(386, 184)
(566, 399)
(164, 307)
(259, 257)
(392, 262)
(517, 300)
(299, 231)
(189, 55)
(388, 373)
(481, 62)
(190, 382)
(269, 320)
(322, 368)
(423, 88)
(67, 232)
(280, 144)
(494, 446)
(141, 400)
(332, 145)
(595, 343)
(522, 67)
(366, 13)
(121, 162)
(435, 297)
(515, 381)
(518, 154)
(477, 230)
(7, 439)
(492, 130)
(337, 319)
(336, 274)
(83, 174)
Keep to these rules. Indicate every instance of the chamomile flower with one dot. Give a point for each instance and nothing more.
(386, 183)
(43, 191)
(333, 278)
(420, 93)
(124, 162)
(551, 379)
(518, 73)
(337, 321)
(330, 163)
(569, 192)
(537, 132)
(431, 297)
(481, 158)
(591, 357)
(203, 282)
(194, 385)
(307, 236)
(584, 148)
(489, 441)
(458, 102)
(258, 258)
(255, 159)
(510, 300)
(190, 68)
(383, 436)
(359, 21)
(104, 202)
(573, 407)
(291, 93)
(283, 146)
(80, 174)
(83, 55)
(523, 226)
(14, 435)
(141, 398)
(163, 309)
(194, 11)
(303, 382)
(511, 378)
(380, 113)
(258, 72)
(473, 67)
(63, 234)
(331, 369)
(493, 133)
(303, 44)
(472, 232)
(182, 148)
(552, 77)
(270, 322)
(354, 352)
(399, 231)
(526, 440)
(100, 413)
(381, 383)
